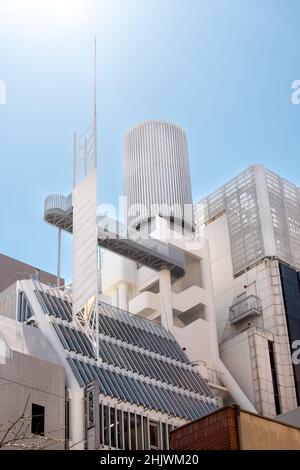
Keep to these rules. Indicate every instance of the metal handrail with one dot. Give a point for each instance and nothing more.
(245, 305)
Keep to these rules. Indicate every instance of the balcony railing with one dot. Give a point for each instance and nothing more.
(246, 308)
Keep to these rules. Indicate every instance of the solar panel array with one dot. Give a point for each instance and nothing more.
(135, 391)
(121, 325)
(141, 362)
(132, 360)
(74, 340)
(55, 306)
(154, 367)
(141, 338)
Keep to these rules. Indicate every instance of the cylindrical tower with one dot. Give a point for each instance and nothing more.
(157, 177)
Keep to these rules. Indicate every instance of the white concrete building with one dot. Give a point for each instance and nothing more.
(252, 225)
(185, 321)
(183, 303)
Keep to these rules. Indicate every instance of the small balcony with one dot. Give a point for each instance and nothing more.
(244, 309)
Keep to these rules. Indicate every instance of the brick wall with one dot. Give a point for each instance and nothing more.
(12, 270)
(217, 431)
(25, 378)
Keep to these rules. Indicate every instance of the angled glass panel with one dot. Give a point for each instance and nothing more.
(76, 372)
(61, 336)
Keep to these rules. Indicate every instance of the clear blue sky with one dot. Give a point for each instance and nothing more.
(222, 69)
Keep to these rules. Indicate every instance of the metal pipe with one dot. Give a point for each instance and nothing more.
(58, 257)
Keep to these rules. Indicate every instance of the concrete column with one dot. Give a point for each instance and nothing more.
(165, 295)
(115, 297)
(123, 296)
(77, 419)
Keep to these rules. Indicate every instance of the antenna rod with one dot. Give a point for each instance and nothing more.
(95, 103)
(95, 165)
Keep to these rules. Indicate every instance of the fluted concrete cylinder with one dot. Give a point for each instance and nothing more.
(157, 176)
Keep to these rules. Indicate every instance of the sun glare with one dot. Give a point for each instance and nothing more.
(31, 14)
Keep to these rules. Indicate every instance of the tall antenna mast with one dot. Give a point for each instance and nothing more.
(95, 102)
(95, 165)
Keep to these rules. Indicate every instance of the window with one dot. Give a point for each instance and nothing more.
(291, 295)
(113, 427)
(126, 430)
(38, 419)
(154, 435)
(67, 417)
(106, 425)
(165, 436)
(146, 434)
(139, 424)
(122, 429)
(274, 378)
(132, 431)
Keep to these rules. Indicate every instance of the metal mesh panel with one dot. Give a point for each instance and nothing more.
(285, 208)
(292, 204)
(281, 233)
(238, 199)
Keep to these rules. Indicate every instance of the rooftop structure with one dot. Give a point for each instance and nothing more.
(263, 215)
(156, 173)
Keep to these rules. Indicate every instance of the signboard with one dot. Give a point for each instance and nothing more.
(90, 406)
(92, 415)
